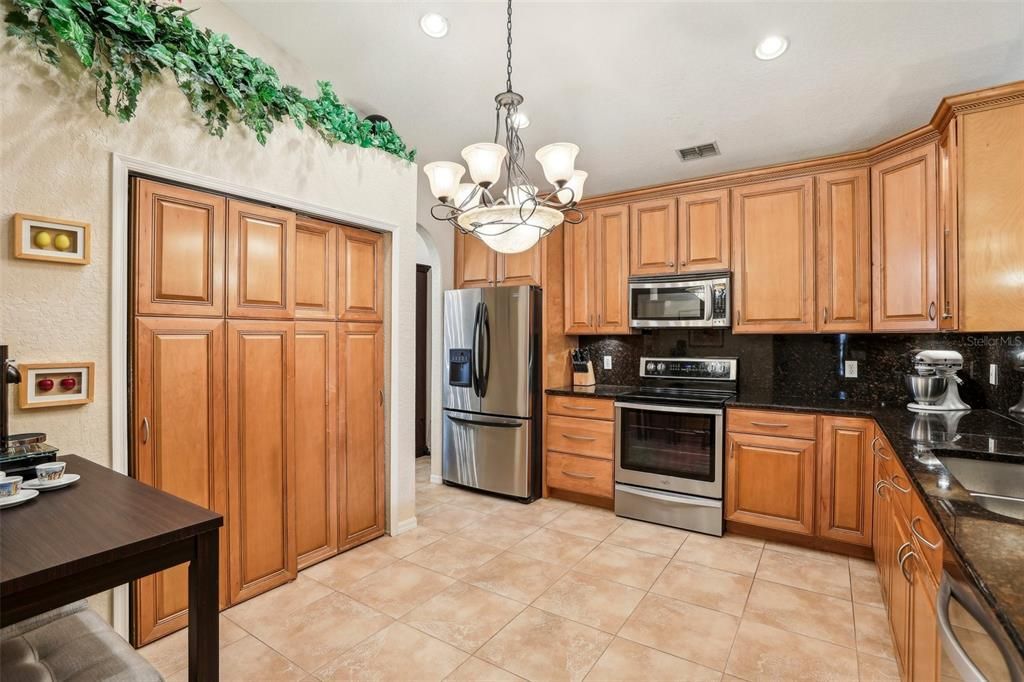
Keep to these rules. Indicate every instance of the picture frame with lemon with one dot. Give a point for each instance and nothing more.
(51, 239)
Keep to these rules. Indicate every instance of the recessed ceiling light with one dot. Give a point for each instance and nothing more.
(521, 120)
(771, 47)
(434, 25)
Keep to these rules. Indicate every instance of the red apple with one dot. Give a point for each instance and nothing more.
(45, 385)
(68, 383)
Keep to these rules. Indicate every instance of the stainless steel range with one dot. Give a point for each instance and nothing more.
(669, 443)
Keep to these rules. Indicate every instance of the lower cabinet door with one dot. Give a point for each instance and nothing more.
(316, 447)
(177, 446)
(770, 482)
(881, 532)
(845, 479)
(261, 463)
(900, 589)
(361, 448)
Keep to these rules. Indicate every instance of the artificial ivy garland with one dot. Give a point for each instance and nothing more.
(121, 42)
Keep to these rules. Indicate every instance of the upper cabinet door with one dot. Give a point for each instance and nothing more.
(904, 237)
(515, 269)
(316, 260)
(361, 273)
(652, 237)
(704, 231)
(611, 269)
(580, 287)
(179, 251)
(773, 256)
(261, 278)
(261, 461)
(475, 262)
(844, 252)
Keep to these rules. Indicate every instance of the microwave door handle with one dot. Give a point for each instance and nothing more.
(960, 658)
(708, 301)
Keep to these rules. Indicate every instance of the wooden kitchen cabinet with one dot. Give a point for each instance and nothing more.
(580, 287)
(316, 267)
(905, 241)
(770, 482)
(515, 269)
(261, 274)
(843, 268)
(925, 646)
(596, 273)
(361, 448)
(773, 256)
(361, 275)
(178, 250)
(261, 455)
(316, 446)
(845, 479)
(899, 596)
(478, 265)
(580, 447)
(949, 230)
(178, 441)
(704, 243)
(653, 234)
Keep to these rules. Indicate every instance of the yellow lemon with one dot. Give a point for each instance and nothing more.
(42, 239)
(62, 242)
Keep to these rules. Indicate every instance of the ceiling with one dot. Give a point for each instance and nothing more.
(630, 82)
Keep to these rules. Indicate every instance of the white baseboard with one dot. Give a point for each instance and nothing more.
(434, 478)
(404, 526)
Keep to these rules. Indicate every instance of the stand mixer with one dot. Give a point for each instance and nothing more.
(934, 387)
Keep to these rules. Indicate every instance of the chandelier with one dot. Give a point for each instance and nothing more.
(514, 220)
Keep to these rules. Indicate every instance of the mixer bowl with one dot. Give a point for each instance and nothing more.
(926, 390)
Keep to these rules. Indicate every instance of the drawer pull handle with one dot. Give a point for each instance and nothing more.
(145, 430)
(892, 479)
(876, 447)
(771, 425)
(572, 437)
(917, 533)
(899, 552)
(574, 474)
(579, 408)
(880, 486)
(903, 570)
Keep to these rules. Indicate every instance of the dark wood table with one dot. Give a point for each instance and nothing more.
(105, 530)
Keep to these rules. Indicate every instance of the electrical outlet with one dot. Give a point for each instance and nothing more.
(993, 374)
(851, 369)
(607, 362)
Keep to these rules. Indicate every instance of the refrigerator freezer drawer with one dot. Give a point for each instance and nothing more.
(488, 453)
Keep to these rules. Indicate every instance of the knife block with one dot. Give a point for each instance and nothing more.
(585, 377)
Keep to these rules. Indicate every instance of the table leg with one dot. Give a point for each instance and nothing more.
(203, 636)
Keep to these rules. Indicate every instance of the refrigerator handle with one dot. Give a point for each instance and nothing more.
(474, 360)
(485, 372)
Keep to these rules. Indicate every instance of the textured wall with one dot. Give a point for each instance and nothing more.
(55, 160)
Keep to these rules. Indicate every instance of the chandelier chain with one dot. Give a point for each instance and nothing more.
(508, 52)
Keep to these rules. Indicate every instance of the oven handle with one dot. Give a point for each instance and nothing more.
(665, 408)
(678, 499)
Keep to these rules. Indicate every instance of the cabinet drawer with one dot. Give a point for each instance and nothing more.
(588, 437)
(579, 474)
(900, 486)
(926, 535)
(788, 424)
(588, 408)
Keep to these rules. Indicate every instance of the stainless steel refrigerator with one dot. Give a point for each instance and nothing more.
(491, 403)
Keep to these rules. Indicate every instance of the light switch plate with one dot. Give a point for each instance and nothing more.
(993, 374)
(607, 362)
(851, 369)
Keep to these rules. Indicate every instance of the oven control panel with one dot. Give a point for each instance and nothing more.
(688, 368)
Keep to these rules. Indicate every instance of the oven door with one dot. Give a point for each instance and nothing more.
(678, 449)
(670, 304)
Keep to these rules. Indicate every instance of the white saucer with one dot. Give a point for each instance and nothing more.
(65, 480)
(22, 496)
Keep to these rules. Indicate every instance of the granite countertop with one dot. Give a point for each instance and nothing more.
(608, 391)
(989, 546)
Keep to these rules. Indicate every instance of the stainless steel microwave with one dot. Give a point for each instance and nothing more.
(680, 301)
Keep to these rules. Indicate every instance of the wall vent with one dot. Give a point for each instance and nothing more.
(700, 151)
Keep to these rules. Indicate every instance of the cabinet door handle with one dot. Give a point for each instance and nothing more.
(770, 425)
(881, 486)
(876, 447)
(899, 552)
(382, 396)
(892, 479)
(913, 529)
(573, 474)
(145, 430)
(931, 310)
(903, 570)
(824, 315)
(572, 437)
(599, 319)
(579, 408)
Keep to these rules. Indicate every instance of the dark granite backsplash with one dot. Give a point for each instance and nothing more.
(810, 365)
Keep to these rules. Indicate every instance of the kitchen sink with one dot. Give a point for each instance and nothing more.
(996, 486)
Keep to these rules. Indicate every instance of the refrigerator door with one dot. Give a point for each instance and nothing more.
(506, 348)
(461, 353)
(485, 452)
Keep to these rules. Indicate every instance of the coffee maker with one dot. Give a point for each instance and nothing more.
(20, 453)
(934, 384)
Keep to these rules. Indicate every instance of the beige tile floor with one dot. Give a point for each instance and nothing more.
(487, 589)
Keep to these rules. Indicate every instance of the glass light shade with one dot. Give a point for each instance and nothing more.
(516, 240)
(520, 194)
(503, 229)
(444, 178)
(558, 161)
(484, 161)
(576, 185)
(465, 198)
